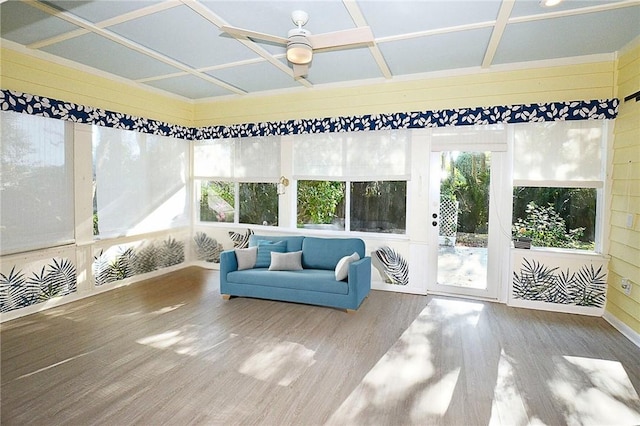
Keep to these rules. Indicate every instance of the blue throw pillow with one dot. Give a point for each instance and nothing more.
(264, 252)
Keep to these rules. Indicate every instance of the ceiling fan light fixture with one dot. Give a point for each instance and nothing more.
(550, 3)
(299, 50)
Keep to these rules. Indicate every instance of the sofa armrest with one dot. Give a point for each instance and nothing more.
(228, 263)
(359, 278)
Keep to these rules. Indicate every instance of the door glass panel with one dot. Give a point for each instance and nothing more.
(463, 219)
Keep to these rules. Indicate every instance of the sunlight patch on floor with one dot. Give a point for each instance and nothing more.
(161, 341)
(451, 308)
(278, 362)
(507, 408)
(595, 391)
(405, 378)
(167, 309)
(436, 398)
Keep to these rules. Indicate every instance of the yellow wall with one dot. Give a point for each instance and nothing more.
(562, 83)
(28, 74)
(625, 242)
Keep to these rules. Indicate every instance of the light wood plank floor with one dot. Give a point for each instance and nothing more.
(171, 351)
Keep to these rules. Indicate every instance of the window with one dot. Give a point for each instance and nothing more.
(354, 181)
(556, 217)
(36, 175)
(558, 174)
(217, 201)
(236, 180)
(321, 204)
(140, 182)
(379, 206)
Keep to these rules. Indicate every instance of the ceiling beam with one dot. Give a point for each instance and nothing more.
(436, 31)
(76, 20)
(498, 30)
(360, 21)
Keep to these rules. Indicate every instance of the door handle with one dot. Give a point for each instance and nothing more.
(434, 223)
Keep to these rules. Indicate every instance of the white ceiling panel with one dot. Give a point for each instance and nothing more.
(189, 86)
(182, 34)
(435, 53)
(97, 11)
(255, 77)
(103, 54)
(151, 41)
(388, 18)
(584, 34)
(25, 24)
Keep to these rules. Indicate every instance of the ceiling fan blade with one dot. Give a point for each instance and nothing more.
(341, 38)
(300, 70)
(252, 34)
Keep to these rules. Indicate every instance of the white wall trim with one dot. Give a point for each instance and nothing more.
(556, 307)
(623, 328)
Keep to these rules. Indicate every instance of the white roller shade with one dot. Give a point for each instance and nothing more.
(36, 183)
(375, 155)
(567, 152)
(244, 159)
(214, 159)
(492, 137)
(318, 156)
(141, 182)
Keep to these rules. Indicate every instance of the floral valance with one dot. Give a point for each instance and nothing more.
(550, 111)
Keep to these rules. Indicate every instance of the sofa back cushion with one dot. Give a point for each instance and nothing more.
(325, 253)
(265, 248)
(293, 243)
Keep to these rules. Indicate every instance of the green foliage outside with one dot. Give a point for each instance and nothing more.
(225, 191)
(468, 183)
(96, 229)
(259, 203)
(320, 202)
(576, 206)
(546, 228)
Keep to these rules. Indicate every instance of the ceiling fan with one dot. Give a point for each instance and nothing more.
(301, 43)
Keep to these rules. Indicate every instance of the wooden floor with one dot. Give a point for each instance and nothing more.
(171, 351)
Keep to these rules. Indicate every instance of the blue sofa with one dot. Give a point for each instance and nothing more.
(315, 284)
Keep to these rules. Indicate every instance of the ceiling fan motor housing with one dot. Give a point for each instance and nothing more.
(299, 49)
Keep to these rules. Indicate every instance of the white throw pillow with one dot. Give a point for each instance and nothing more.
(246, 257)
(342, 268)
(286, 261)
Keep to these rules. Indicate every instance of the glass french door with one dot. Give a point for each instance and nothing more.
(463, 224)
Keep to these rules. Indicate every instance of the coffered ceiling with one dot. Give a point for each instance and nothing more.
(178, 47)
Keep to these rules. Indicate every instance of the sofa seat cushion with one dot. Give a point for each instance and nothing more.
(307, 279)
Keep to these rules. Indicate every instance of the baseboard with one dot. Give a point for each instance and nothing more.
(556, 307)
(623, 328)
